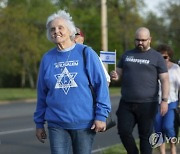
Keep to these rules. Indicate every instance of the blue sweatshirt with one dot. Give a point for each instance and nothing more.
(64, 97)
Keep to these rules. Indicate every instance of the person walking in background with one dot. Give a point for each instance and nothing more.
(64, 98)
(79, 38)
(166, 124)
(139, 70)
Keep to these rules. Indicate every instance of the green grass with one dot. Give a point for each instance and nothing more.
(17, 93)
(119, 149)
(27, 93)
(115, 149)
(114, 91)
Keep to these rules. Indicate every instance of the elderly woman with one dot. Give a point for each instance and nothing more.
(64, 97)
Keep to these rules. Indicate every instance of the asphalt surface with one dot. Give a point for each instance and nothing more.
(17, 130)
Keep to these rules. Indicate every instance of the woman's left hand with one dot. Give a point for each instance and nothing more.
(163, 108)
(99, 126)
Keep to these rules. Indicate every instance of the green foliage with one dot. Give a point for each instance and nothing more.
(23, 32)
(22, 29)
(123, 24)
(165, 29)
(173, 13)
(158, 30)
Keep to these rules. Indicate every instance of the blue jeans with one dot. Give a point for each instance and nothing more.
(129, 114)
(61, 141)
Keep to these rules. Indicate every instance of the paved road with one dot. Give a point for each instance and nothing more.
(17, 131)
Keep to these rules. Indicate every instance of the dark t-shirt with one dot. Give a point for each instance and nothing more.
(140, 75)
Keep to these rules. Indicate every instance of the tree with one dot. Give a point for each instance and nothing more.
(22, 30)
(165, 29)
(23, 33)
(157, 28)
(172, 13)
(125, 20)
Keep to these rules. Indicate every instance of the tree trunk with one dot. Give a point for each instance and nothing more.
(31, 80)
(23, 78)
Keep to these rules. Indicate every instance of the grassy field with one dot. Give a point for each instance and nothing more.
(115, 149)
(119, 149)
(26, 93)
(17, 93)
(114, 91)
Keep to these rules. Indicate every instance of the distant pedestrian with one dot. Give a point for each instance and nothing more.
(166, 124)
(79, 38)
(139, 71)
(178, 62)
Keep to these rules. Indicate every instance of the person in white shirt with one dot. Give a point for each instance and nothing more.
(165, 124)
(79, 38)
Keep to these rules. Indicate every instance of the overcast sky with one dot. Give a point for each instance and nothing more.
(152, 4)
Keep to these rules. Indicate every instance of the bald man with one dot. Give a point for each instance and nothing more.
(139, 70)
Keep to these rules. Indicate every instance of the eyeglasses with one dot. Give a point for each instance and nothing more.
(165, 57)
(141, 40)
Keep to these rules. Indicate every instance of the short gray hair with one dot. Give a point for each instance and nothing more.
(62, 14)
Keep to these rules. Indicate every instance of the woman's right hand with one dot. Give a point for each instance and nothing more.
(41, 134)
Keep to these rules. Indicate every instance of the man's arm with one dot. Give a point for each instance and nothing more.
(164, 79)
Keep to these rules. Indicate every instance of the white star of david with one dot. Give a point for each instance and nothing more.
(65, 80)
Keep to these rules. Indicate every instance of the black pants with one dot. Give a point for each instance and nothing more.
(129, 114)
